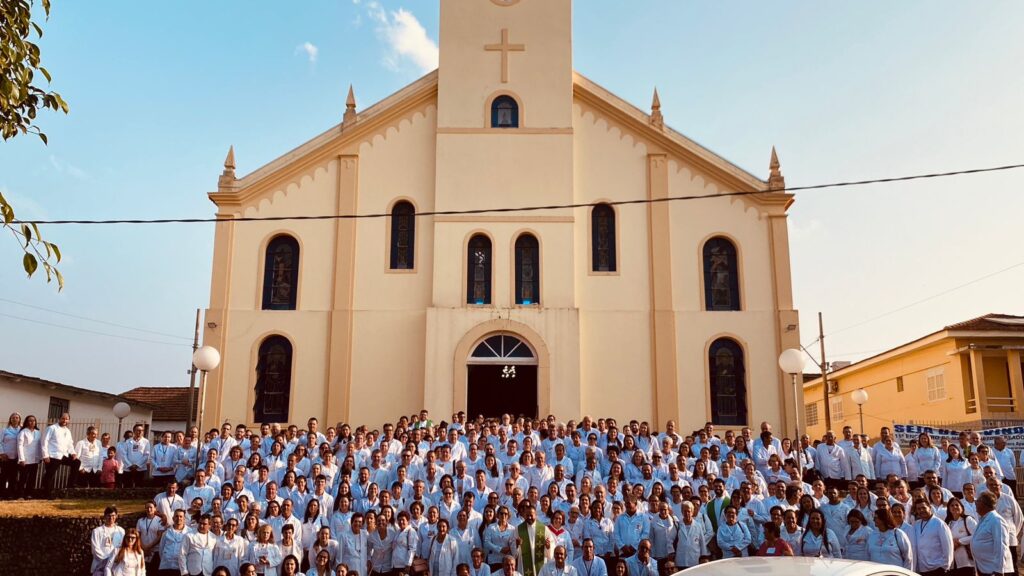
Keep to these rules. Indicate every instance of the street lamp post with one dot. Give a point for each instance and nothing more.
(792, 362)
(205, 359)
(121, 410)
(860, 397)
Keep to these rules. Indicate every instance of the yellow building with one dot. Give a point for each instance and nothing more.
(653, 311)
(967, 375)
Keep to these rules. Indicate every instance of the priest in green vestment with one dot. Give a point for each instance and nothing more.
(533, 540)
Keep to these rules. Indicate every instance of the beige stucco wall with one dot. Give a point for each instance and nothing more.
(410, 331)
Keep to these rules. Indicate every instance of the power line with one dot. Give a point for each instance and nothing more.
(34, 321)
(841, 184)
(928, 298)
(114, 324)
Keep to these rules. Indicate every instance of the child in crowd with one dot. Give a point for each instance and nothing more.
(111, 468)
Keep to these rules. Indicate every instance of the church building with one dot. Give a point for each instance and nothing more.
(649, 310)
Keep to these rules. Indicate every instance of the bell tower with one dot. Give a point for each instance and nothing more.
(520, 48)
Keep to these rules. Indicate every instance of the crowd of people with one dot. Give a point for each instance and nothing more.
(522, 497)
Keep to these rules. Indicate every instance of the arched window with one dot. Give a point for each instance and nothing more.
(721, 277)
(527, 270)
(504, 112)
(273, 380)
(728, 383)
(478, 270)
(403, 236)
(602, 231)
(281, 274)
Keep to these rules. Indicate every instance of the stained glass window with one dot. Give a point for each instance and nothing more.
(721, 277)
(478, 270)
(527, 270)
(728, 383)
(504, 112)
(403, 236)
(281, 274)
(602, 228)
(273, 380)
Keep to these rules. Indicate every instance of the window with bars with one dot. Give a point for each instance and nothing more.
(728, 383)
(936, 384)
(403, 236)
(836, 408)
(811, 414)
(273, 380)
(57, 407)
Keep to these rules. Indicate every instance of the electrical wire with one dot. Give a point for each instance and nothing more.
(87, 331)
(86, 318)
(841, 184)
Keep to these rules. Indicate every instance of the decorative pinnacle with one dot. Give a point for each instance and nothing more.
(657, 120)
(350, 106)
(776, 181)
(227, 177)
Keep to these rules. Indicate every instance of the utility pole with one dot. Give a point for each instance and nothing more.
(824, 374)
(192, 379)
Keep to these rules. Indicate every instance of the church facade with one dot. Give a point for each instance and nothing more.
(655, 311)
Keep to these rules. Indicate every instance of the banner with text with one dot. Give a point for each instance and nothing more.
(904, 433)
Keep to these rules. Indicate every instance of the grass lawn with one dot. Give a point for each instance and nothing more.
(65, 508)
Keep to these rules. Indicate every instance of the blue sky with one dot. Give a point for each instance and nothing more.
(158, 91)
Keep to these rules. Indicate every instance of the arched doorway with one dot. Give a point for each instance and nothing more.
(501, 376)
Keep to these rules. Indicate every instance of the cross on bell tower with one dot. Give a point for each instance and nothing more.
(505, 48)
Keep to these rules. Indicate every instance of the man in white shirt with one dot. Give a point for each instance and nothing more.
(90, 453)
(1008, 462)
(832, 462)
(589, 564)
(165, 455)
(196, 558)
(932, 542)
(1009, 510)
(558, 566)
(990, 543)
(170, 501)
(136, 458)
(59, 450)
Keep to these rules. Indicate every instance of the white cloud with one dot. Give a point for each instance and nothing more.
(63, 167)
(799, 231)
(406, 39)
(309, 49)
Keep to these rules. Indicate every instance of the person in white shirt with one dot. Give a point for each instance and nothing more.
(196, 556)
(30, 453)
(1007, 508)
(832, 462)
(9, 457)
(59, 450)
(90, 453)
(931, 540)
(129, 559)
(691, 543)
(354, 546)
(558, 565)
(136, 458)
(889, 459)
(443, 552)
(1008, 462)
(165, 455)
(818, 539)
(733, 537)
(106, 540)
(263, 553)
(170, 544)
(990, 544)
(889, 544)
(231, 549)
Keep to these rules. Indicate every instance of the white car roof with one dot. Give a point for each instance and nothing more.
(793, 566)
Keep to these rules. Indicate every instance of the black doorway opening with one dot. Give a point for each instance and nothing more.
(496, 389)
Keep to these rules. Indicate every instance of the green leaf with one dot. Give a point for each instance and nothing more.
(30, 263)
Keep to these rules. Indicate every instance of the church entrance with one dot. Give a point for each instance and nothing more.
(502, 374)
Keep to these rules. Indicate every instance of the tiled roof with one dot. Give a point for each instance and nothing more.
(991, 322)
(171, 403)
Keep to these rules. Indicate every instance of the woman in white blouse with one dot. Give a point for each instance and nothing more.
(9, 456)
(856, 536)
(30, 453)
(819, 540)
(889, 544)
(129, 560)
(733, 537)
(963, 528)
(955, 471)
